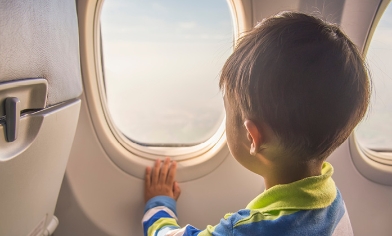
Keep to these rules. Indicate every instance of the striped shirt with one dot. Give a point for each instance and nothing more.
(311, 206)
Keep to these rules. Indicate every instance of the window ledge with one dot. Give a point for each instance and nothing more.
(375, 166)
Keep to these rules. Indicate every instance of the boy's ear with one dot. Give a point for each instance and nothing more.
(254, 135)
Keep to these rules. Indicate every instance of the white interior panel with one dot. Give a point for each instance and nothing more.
(357, 19)
(265, 8)
(30, 179)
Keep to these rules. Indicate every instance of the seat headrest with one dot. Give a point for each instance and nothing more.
(40, 39)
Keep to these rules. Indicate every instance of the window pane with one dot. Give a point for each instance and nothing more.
(162, 61)
(375, 132)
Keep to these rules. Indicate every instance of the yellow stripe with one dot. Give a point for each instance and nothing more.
(227, 216)
(160, 224)
(208, 231)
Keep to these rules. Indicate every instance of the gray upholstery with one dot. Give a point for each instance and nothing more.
(39, 38)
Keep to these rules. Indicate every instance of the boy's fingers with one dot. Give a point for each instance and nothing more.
(164, 169)
(172, 173)
(155, 171)
(147, 179)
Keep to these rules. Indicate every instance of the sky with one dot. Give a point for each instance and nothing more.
(162, 63)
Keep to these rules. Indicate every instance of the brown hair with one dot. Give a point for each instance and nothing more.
(301, 76)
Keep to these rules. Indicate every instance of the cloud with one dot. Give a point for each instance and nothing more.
(159, 7)
(187, 25)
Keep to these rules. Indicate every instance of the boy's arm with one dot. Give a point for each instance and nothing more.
(161, 193)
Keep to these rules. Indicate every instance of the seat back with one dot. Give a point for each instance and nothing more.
(39, 109)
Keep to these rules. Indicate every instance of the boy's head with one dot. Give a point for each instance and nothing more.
(303, 78)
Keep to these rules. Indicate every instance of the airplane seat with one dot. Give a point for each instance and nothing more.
(40, 81)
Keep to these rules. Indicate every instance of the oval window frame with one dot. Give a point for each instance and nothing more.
(193, 162)
(375, 166)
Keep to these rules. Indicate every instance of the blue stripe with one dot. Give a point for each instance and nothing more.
(161, 201)
(155, 217)
(307, 222)
(190, 230)
(225, 226)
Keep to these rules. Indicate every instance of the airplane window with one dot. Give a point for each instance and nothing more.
(375, 132)
(162, 61)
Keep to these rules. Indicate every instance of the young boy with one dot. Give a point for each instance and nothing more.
(294, 89)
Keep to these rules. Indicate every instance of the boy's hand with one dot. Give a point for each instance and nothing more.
(160, 180)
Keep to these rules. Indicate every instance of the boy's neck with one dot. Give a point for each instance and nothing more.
(279, 173)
